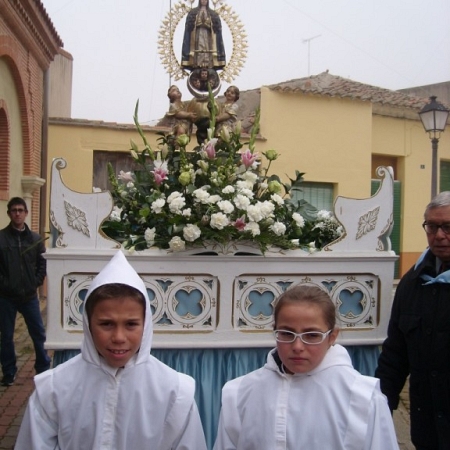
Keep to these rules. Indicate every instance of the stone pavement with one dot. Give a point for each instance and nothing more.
(13, 399)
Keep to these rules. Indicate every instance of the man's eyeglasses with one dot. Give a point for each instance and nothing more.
(432, 228)
(17, 210)
(309, 337)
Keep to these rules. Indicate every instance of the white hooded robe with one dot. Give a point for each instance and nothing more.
(84, 404)
(331, 407)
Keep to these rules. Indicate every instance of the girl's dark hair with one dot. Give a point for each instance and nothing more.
(112, 291)
(307, 294)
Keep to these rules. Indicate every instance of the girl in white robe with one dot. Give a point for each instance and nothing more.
(307, 395)
(93, 402)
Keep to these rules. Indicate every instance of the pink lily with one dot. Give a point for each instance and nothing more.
(210, 148)
(160, 172)
(239, 224)
(248, 158)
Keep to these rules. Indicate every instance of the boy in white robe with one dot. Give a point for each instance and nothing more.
(307, 395)
(114, 395)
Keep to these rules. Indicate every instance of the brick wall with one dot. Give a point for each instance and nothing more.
(28, 43)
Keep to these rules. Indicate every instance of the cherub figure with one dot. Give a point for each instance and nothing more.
(227, 114)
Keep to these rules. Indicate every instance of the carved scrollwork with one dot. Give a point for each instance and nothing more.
(76, 218)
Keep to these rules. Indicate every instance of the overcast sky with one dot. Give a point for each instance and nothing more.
(393, 44)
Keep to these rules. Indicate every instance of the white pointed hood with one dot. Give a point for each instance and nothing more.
(118, 270)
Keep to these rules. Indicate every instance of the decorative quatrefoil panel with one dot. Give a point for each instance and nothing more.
(178, 302)
(355, 297)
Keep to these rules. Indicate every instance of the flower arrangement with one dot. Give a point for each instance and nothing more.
(218, 193)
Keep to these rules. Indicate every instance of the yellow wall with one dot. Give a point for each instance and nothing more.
(328, 138)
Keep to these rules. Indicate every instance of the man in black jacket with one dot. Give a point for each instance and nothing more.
(418, 341)
(22, 271)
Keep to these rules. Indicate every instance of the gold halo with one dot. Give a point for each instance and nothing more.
(170, 23)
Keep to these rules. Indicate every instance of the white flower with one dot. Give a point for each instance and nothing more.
(191, 232)
(312, 247)
(277, 199)
(250, 177)
(158, 205)
(267, 209)
(149, 236)
(186, 212)
(278, 228)
(228, 190)
(299, 220)
(173, 196)
(125, 177)
(219, 221)
(323, 214)
(255, 213)
(177, 244)
(247, 192)
(130, 185)
(213, 199)
(244, 184)
(295, 242)
(253, 227)
(177, 204)
(226, 206)
(241, 201)
(115, 214)
(201, 195)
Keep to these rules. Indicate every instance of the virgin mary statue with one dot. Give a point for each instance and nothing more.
(203, 42)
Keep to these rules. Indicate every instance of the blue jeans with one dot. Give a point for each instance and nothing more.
(31, 313)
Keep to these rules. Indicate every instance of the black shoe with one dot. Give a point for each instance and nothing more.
(8, 380)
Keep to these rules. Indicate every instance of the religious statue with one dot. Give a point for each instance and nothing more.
(227, 113)
(203, 42)
(180, 119)
(204, 64)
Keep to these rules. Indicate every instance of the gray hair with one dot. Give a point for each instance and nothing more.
(441, 200)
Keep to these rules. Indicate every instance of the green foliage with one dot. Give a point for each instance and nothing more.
(217, 193)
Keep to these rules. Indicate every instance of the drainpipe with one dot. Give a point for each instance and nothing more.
(44, 154)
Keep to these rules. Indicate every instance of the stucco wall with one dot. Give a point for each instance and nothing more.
(328, 138)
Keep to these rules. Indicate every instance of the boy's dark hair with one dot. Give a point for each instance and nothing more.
(112, 291)
(313, 295)
(17, 201)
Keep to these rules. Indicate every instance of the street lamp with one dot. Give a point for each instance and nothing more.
(434, 119)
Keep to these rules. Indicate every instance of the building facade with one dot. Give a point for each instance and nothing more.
(28, 44)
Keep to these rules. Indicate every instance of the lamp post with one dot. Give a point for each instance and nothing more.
(434, 119)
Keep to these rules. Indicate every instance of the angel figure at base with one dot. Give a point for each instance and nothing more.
(179, 116)
(227, 114)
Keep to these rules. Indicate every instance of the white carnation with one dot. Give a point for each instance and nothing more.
(228, 190)
(158, 205)
(177, 204)
(278, 228)
(191, 232)
(219, 221)
(299, 220)
(149, 236)
(177, 244)
(254, 212)
(277, 199)
(241, 201)
(253, 227)
(226, 206)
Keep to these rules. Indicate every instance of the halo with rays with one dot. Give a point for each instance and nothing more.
(226, 13)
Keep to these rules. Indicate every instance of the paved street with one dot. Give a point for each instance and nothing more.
(13, 399)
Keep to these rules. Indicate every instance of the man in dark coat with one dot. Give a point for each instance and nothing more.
(418, 341)
(22, 271)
